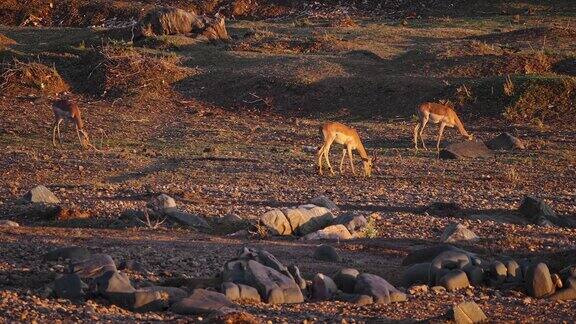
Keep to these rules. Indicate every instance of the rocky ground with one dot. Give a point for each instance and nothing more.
(229, 156)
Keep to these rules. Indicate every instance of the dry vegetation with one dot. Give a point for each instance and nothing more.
(223, 129)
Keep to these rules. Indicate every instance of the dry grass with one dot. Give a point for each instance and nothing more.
(25, 78)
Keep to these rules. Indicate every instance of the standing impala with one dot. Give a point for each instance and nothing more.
(437, 114)
(65, 109)
(344, 135)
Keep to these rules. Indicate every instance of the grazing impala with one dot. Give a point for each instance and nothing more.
(65, 109)
(344, 135)
(437, 114)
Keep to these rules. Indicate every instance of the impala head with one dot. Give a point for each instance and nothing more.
(368, 163)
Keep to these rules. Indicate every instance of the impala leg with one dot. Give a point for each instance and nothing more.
(423, 124)
(58, 130)
(342, 161)
(327, 152)
(442, 125)
(54, 133)
(351, 160)
(320, 153)
(416, 128)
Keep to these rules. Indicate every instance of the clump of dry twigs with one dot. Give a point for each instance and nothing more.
(24, 78)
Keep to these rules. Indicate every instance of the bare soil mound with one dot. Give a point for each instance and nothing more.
(20, 78)
(123, 72)
(269, 42)
(534, 38)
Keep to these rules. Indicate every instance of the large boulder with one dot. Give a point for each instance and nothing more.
(276, 222)
(308, 218)
(333, 232)
(505, 141)
(538, 281)
(240, 292)
(169, 21)
(418, 273)
(456, 232)
(188, 219)
(116, 287)
(295, 272)
(173, 294)
(42, 195)
(345, 279)
(447, 261)
(161, 203)
(69, 286)
(454, 280)
(468, 313)
(94, 266)
(324, 201)
(428, 254)
(323, 287)
(273, 286)
(203, 301)
(8, 223)
(467, 149)
(540, 213)
(146, 300)
(354, 223)
(378, 288)
(264, 257)
(328, 253)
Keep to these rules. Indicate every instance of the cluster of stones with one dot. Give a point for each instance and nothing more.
(477, 149)
(314, 221)
(453, 269)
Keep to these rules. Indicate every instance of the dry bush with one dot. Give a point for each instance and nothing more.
(538, 63)
(511, 176)
(121, 72)
(25, 78)
(343, 21)
(508, 86)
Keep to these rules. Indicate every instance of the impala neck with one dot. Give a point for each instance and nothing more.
(461, 128)
(362, 151)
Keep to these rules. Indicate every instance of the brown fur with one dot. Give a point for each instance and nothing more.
(437, 114)
(66, 109)
(344, 135)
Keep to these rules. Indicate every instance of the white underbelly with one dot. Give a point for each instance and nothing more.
(434, 118)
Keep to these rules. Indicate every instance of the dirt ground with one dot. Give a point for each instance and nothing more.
(228, 136)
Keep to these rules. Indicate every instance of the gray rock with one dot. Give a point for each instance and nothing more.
(74, 253)
(94, 266)
(475, 274)
(416, 274)
(230, 290)
(447, 261)
(513, 271)
(538, 281)
(505, 141)
(327, 252)
(454, 280)
(173, 294)
(69, 286)
(203, 301)
(456, 232)
(568, 272)
(354, 223)
(540, 213)
(276, 222)
(40, 194)
(468, 313)
(308, 218)
(498, 273)
(187, 219)
(333, 232)
(8, 223)
(467, 149)
(323, 287)
(569, 291)
(249, 294)
(378, 288)
(116, 287)
(428, 254)
(345, 279)
(131, 265)
(295, 272)
(273, 286)
(324, 201)
(146, 300)
(264, 257)
(161, 203)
